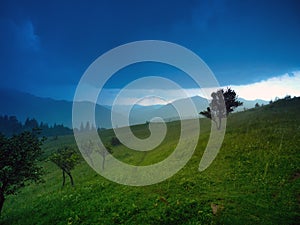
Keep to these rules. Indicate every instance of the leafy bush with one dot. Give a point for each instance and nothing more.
(115, 141)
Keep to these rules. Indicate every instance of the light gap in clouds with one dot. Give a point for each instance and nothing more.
(269, 89)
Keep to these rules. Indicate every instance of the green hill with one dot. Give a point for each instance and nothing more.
(255, 179)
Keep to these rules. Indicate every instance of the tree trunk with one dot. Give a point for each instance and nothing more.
(220, 121)
(216, 122)
(71, 178)
(103, 161)
(64, 178)
(91, 160)
(2, 199)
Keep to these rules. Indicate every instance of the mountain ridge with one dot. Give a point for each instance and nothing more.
(25, 105)
(46, 110)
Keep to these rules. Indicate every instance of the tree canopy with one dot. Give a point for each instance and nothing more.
(66, 159)
(222, 103)
(19, 157)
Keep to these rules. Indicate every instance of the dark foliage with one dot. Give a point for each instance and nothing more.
(114, 141)
(222, 103)
(19, 156)
(66, 159)
(9, 125)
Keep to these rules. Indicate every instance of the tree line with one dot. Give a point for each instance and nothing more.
(10, 125)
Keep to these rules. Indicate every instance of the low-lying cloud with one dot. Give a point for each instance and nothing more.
(269, 89)
(281, 86)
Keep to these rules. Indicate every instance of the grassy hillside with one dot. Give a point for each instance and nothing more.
(253, 180)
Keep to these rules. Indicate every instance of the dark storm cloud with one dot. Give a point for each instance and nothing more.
(244, 40)
(51, 43)
(19, 50)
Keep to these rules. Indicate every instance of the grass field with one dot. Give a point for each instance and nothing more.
(255, 179)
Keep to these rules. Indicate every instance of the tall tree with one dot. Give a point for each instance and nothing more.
(31, 124)
(222, 103)
(66, 159)
(81, 129)
(87, 126)
(19, 156)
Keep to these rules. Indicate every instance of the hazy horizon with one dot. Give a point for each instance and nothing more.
(267, 90)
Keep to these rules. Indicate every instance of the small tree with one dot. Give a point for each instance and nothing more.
(222, 103)
(66, 159)
(87, 149)
(104, 152)
(19, 157)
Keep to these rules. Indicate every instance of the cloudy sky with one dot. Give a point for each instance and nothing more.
(253, 46)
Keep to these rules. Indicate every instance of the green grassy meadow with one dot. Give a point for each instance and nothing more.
(255, 179)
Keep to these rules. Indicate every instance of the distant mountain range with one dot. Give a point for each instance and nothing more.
(140, 114)
(24, 105)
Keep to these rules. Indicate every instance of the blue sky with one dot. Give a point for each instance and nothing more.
(45, 46)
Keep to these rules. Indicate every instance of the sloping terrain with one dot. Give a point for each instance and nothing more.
(253, 180)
